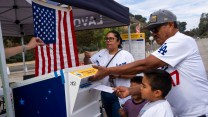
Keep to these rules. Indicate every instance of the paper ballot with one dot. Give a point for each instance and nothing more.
(83, 73)
(104, 88)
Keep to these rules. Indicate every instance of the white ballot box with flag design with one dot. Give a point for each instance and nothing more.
(65, 93)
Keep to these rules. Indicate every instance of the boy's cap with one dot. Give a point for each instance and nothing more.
(159, 17)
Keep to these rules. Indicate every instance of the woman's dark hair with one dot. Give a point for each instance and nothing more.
(118, 36)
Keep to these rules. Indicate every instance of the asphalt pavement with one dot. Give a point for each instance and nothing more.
(203, 49)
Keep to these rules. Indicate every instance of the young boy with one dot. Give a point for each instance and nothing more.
(132, 107)
(156, 84)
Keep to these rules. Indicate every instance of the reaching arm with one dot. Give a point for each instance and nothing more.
(18, 49)
(132, 68)
(138, 66)
(122, 76)
(13, 51)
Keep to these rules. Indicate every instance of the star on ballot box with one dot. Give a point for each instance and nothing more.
(65, 93)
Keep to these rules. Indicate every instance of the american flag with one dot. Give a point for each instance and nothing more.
(54, 25)
(137, 28)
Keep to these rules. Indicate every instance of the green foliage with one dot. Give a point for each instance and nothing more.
(202, 29)
(92, 40)
(15, 41)
(203, 25)
(29, 56)
(182, 26)
(193, 32)
(86, 41)
(141, 18)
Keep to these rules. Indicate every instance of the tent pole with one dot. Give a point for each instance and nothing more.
(5, 79)
(23, 52)
(129, 37)
(23, 56)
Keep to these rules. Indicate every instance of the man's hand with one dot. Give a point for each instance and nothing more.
(101, 73)
(122, 91)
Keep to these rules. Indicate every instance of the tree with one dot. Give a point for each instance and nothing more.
(182, 26)
(91, 40)
(141, 18)
(203, 25)
(85, 40)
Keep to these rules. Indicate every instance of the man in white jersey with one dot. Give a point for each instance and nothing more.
(179, 55)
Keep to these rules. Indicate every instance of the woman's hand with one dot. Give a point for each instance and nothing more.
(34, 42)
(87, 54)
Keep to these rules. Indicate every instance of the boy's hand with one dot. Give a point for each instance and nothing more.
(122, 112)
(122, 91)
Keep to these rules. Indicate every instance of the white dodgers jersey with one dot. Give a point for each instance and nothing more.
(189, 94)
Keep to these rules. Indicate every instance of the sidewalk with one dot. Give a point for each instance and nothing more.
(20, 63)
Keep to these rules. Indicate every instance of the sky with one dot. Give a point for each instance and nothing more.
(188, 11)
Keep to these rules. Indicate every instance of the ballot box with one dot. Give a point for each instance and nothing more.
(64, 93)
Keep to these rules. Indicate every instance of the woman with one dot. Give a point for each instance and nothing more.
(103, 58)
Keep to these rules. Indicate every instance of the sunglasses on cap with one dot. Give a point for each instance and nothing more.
(157, 28)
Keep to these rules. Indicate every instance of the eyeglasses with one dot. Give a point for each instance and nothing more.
(157, 28)
(109, 38)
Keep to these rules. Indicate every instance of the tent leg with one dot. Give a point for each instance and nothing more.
(5, 79)
(129, 37)
(23, 57)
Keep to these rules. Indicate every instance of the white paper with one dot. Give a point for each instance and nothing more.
(104, 88)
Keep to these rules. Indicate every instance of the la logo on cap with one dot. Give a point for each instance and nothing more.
(153, 18)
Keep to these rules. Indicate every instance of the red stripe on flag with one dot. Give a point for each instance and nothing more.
(43, 60)
(49, 57)
(60, 41)
(36, 62)
(67, 40)
(74, 39)
(54, 55)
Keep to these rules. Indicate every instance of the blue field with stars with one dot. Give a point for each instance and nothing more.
(41, 99)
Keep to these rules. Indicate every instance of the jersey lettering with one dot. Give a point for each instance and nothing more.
(121, 64)
(97, 62)
(164, 68)
(176, 79)
(163, 49)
